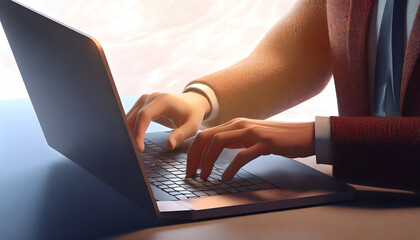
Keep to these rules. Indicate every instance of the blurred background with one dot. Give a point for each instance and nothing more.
(161, 45)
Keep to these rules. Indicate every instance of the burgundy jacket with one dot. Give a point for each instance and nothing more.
(379, 151)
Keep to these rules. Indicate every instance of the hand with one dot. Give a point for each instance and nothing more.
(182, 111)
(257, 136)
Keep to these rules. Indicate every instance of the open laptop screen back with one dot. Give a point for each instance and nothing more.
(74, 97)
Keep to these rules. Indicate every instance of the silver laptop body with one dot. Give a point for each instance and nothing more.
(77, 104)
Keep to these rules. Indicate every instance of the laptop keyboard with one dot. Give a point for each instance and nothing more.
(166, 170)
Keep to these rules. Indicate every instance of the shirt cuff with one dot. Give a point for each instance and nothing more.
(211, 97)
(323, 140)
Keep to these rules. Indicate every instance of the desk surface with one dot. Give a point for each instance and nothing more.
(44, 195)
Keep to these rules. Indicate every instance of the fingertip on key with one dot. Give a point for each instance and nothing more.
(226, 177)
(171, 143)
(204, 176)
(140, 147)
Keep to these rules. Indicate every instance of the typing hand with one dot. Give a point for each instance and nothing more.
(182, 111)
(257, 136)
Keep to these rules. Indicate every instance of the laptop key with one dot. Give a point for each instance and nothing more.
(211, 193)
(166, 170)
(180, 197)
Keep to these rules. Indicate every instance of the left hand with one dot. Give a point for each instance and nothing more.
(257, 136)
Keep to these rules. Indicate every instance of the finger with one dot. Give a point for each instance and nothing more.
(242, 158)
(203, 156)
(197, 148)
(185, 131)
(206, 136)
(132, 114)
(232, 122)
(219, 142)
(141, 102)
(236, 146)
(152, 97)
(196, 151)
(144, 117)
(194, 156)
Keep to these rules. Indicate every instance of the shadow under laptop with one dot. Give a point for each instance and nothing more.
(77, 205)
(383, 199)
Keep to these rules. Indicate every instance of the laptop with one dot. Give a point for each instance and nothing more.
(78, 107)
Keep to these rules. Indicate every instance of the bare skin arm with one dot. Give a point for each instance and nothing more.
(290, 65)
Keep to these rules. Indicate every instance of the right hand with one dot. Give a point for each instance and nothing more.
(186, 111)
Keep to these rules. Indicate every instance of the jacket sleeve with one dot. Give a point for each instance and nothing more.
(377, 151)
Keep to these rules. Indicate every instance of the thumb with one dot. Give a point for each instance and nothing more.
(179, 135)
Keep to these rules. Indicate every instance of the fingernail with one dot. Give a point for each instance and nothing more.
(172, 144)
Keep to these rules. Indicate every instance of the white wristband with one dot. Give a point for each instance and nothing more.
(211, 97)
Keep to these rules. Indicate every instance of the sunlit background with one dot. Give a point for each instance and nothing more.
(161, 45)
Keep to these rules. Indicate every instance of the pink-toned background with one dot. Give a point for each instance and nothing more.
(160, 45)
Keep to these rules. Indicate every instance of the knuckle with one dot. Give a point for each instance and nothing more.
(164, 95)
(242, 122)
(218, 138)
(235, 120)
(152, 96)
(200, 136)
(144, 97)
(232, 121)
(254, 131)
(241, 155)
(143, 113)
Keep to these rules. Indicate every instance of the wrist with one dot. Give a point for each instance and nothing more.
(200, 101)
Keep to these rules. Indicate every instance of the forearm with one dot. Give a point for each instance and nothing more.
(289, 66)
(378, 151)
